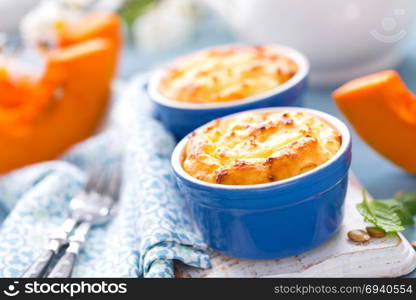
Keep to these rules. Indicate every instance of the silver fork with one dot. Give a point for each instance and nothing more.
(96, 204)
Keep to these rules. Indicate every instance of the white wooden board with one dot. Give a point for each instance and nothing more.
(390, 256)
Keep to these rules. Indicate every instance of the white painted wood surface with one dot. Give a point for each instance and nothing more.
(390, 256)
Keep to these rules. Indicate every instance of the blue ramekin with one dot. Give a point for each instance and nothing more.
(271, 220)
(181, 118)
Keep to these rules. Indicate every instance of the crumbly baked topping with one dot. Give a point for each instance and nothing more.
(254, 148)
(226, 74)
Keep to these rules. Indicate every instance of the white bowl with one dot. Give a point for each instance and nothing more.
(342, 39)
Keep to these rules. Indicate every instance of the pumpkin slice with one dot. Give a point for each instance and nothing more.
(383, 112)
(78, 80)
(22, 97)
(94, 25)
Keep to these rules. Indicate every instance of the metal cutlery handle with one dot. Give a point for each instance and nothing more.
(38, 268)
(65, 265)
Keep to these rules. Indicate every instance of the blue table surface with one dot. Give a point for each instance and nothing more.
(380, 177)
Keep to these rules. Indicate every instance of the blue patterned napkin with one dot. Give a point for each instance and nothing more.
(150, 230)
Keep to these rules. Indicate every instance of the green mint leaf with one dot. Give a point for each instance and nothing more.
(408, 200)
(401, 210)
(381, 214)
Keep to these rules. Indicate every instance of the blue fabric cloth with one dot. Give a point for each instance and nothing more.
(149, 231)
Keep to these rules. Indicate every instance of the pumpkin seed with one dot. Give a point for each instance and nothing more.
(376, 232)
(358, 235)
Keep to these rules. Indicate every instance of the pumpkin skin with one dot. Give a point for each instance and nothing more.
(42, 116)
(383, 112)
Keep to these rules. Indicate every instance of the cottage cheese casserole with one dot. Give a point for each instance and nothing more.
(226, 73)
(259, 147)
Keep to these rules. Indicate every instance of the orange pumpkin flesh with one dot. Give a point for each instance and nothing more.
(94, 25)
(383, 112)
(69, 117)
(40, 117)
(22, 97)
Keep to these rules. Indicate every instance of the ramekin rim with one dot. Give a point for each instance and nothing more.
(299, 58)
(176, 156)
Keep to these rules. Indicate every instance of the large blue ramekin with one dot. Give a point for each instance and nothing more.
(271, 220)
(181, 118)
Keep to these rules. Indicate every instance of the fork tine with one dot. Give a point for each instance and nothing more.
(96, 180)
(92, 176)
(105, 180)
(114, 181)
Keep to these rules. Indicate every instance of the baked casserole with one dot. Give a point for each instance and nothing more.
(259, 147)
(226, 73)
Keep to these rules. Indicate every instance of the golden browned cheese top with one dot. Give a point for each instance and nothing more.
(255, 147)
(226, 73)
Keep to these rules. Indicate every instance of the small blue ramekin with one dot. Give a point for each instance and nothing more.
(271, 220)
(181, 118)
